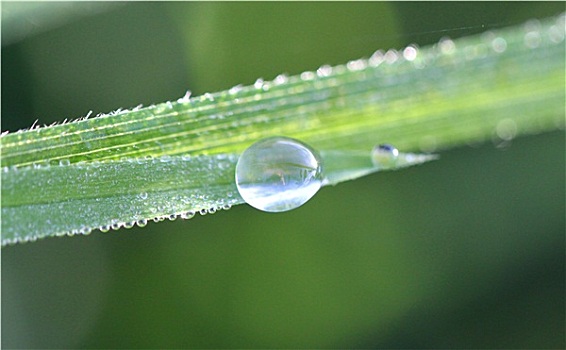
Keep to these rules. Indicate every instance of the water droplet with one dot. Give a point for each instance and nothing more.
(172, 217)
(446, 46)
(278, 174)
(499, 45)
(141, 222)
(235, 89)
(259, 84)
(41, 164)
(64, 162)
(506, 129)
(384, 155)
(391, 56)
(104, 228)
(410, 53)
(129, 224)
(143, 195)
(188, 215)
(306, 76)
(356, 65)
(556, 34)
(532, 39)
(532, 25)
(324, 71)
(376, 59)
(281, 79)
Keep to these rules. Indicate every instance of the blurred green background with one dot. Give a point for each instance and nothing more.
(464, 252)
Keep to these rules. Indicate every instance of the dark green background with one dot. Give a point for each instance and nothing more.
(464, 252)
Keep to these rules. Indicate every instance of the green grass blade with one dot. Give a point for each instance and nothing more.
(77, 198)
(91, 173)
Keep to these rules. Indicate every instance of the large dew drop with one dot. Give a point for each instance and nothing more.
(278, 174)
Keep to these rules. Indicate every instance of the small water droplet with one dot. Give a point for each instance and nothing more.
(499, 44)
(129, 224)
(64, 162)
(259, 84)
(410, 53)
(532, 39)
(116, 226)
(324, 71)
(356, 65)
(41, 164)
(188, 215)
(104, 228)
(235, 89)
(376, 59)
(141, 222)
(506, 129)
(172, 217)
(384, 155)
(556, 34)
(306, 76)
(281, 79)
(391, 56)
(446, 46)
(143, 195)
(278, 174)
(532, 25)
